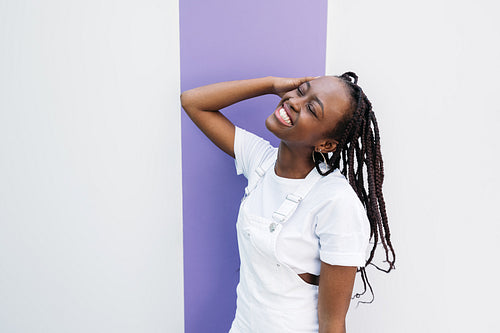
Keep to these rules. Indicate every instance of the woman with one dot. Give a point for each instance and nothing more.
(301, 216)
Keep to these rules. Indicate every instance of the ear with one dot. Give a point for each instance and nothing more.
(326, 146)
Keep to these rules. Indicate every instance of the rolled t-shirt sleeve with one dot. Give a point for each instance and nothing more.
(249, 151)
(343, 229)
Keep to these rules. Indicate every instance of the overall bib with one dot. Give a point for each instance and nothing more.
(271, 297)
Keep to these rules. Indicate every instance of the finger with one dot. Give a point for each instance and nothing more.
(309, 78)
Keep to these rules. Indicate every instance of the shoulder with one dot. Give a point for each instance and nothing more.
(334, 196)
(335, 186)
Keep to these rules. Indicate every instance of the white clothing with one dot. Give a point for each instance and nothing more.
(331, 223)
(285, 227)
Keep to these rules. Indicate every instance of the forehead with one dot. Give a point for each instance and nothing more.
(332, 92)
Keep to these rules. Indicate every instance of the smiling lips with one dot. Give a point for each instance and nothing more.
(283, 116)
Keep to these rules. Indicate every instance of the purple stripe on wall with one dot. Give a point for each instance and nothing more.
(219, 41)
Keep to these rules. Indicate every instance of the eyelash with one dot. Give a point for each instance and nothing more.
(308, 105)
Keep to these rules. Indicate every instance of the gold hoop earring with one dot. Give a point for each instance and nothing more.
(324, 159)
(322, 155)
(313, 157)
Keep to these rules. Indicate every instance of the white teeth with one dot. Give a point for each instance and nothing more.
(284, 116)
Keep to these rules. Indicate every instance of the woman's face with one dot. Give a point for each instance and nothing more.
(305, 115)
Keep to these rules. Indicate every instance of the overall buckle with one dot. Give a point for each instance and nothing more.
(278, 217)
(294, 198)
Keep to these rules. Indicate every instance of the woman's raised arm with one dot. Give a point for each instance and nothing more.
(202, 104)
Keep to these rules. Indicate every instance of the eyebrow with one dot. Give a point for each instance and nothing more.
(316, 99)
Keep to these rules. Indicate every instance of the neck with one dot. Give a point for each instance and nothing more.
(293, 161)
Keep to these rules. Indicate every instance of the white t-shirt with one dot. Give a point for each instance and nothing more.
(330, 223)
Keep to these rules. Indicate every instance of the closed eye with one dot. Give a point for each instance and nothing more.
(311, 109)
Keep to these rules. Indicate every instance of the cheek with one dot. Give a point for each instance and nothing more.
(319, 131)
(327, 126)
(310, 133)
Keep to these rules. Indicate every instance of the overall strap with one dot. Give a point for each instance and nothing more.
(292, 200)
(260, 171)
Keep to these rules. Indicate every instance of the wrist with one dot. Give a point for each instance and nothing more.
(269, 83)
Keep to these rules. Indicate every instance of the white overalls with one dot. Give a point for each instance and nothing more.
(271, 297)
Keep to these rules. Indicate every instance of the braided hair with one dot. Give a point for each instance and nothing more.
(359, 142)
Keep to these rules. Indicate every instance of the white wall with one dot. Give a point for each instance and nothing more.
(90, 171)
(431, 71)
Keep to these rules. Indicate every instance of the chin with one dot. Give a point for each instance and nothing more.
(274, 127)
(271, 127)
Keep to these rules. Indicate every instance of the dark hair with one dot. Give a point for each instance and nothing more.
(355, 128)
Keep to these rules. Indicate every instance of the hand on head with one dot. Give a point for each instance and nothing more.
(283, 84)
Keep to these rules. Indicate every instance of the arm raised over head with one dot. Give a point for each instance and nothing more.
(202, 104)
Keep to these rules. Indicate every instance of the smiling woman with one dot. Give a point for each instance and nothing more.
(304, 224)
(310, 122)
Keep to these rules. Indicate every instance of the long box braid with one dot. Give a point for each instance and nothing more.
(359, 141)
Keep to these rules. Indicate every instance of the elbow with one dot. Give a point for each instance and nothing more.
(189, 101)
(184, 99)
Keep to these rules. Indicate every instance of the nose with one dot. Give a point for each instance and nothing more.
(295, 103)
